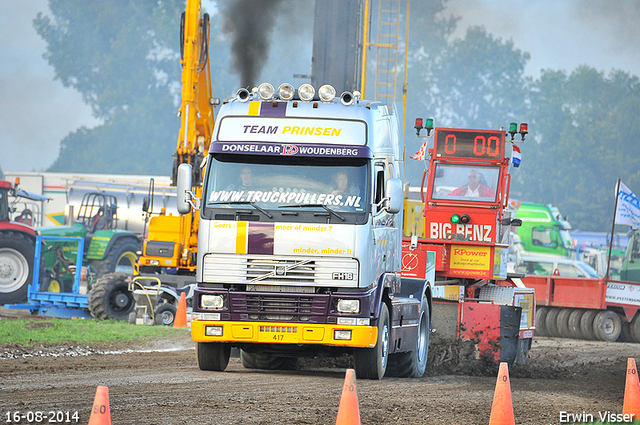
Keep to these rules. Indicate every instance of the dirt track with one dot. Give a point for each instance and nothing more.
(168, 388)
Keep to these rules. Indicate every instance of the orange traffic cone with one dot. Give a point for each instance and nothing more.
(101, 412)
(180, 321)
(631, 403)
(348, 411)
(502, 408)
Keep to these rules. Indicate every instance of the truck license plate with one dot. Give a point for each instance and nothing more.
(286, 334)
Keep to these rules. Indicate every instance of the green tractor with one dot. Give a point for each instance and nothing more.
(107, 250)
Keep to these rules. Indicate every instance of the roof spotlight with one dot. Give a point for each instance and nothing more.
(306, 92)
(327, 93)
(266, 91)
(286, 91)
(346, 98)
(243, 95)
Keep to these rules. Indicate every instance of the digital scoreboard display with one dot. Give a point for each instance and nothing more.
(478, 144)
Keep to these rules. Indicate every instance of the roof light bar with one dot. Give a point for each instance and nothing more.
(306, 92)
(286, 91)
(326, 93)
(266, 91)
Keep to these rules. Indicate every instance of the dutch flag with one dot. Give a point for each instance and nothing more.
(516, 156)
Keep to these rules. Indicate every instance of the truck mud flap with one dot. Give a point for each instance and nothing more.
(493, 328)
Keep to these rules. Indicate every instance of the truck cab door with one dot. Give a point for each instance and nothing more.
(386, 226)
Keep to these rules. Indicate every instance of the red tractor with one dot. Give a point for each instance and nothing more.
(17, 243)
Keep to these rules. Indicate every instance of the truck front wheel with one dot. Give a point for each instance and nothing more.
(371, 363)
(16, 267)
(412, 364)
(213, 355)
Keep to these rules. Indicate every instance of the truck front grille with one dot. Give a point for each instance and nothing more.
(276, 307)
(280, 270)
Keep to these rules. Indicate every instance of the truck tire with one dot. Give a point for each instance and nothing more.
(625, 333)
(562, 322)
(634, 328)
(551, 321)
(164, 314)
(371, 363)
(16, 267)
(120, 258)
(574, 323)
(266, 361)
(541, 315)
(412, 364)
(110, 298)
(586, 324)
(607, 326)
(213, 355)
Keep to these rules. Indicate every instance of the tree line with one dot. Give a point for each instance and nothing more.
(124, 58)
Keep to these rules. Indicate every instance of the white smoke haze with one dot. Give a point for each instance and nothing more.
(36, 112)
(560, 34)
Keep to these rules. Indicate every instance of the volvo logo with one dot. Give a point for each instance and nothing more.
(281, 271)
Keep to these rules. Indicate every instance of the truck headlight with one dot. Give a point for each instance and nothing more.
(213, 330)
(348, 306)
(212, 302)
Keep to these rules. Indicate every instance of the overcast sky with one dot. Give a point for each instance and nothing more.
(36, 112)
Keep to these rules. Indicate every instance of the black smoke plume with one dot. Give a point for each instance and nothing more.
(250, 24)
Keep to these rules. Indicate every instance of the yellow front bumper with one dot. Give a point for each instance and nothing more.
(284, 333)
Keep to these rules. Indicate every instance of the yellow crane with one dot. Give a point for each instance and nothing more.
(172, 241)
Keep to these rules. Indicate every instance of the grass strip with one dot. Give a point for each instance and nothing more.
(30, 332)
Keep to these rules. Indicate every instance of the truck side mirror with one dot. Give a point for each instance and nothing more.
(145, 204)
(183, 187)
(395, 195)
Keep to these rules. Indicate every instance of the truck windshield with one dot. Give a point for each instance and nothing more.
(287, 185)
(465, 182)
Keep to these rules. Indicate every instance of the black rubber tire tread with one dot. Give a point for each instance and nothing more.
(541, 315)
(101, 294)
(634, 328)
(266, 361)
(625, 333)
(108, 263)
(25, 246)
(607, 326)
(551, 321)
(409, 364)
(574, 323)
(371, 363)
(160, 311)
(562, 322)
(586, 324)
(213, 355)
